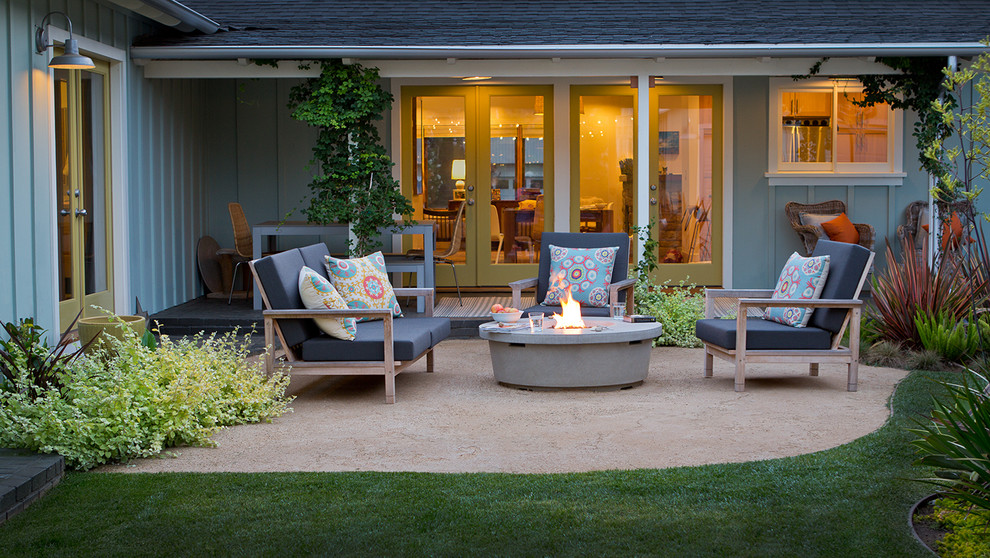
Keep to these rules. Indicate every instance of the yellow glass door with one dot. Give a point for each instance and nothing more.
(82, 182)
(477, 164)
(686, 181)
(603, 150)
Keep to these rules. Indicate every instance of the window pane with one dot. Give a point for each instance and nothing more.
(862, 131)
(807, 132)
(685, 144)
(606, 163)
(440, 171)
(516, 163)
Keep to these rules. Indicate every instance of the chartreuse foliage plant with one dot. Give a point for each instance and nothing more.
(968, 533)
(354, 184)
(139, 401)
(677, 307)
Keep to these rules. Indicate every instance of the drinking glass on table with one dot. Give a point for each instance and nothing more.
(535, 321)
(618, 310)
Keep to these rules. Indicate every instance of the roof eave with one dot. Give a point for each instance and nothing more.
(296, 52)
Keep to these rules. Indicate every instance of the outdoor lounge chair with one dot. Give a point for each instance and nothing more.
(620, 289)
(748, 338)
(386, 346)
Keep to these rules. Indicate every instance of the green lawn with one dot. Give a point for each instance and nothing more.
(848, 501)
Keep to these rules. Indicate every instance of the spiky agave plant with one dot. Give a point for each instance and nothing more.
(956, 441)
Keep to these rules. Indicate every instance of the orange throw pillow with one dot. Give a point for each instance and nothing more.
(841, 229)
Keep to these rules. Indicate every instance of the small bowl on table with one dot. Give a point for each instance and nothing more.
(507, 317)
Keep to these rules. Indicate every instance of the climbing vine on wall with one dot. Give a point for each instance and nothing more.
(354, 183)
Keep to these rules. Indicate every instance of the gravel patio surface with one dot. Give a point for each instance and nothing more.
(459, 419)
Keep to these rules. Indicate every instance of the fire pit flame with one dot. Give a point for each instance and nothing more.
(571, 318)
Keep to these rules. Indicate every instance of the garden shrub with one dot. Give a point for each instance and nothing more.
(143, 400)
(955, 442)
(951, 338)
(969, 529)
(676, 307)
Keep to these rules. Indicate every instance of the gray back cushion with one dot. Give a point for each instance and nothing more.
(582, 240)
(279, 274)
(845, 268)
(315, 257)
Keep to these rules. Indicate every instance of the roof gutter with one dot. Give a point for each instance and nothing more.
(294, 52)
(186, 15)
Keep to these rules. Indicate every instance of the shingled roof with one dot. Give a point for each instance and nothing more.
(512, 24)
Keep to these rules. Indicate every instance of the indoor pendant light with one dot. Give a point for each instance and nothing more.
(70, 59)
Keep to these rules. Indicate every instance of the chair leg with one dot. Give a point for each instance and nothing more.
(233, 281)
(740, 375)
(853, 380)
(454, 271)
(389, 387)
(813, 369)
(429, 360)
(709, 363)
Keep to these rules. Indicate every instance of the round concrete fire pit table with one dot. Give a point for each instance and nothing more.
(609, 354)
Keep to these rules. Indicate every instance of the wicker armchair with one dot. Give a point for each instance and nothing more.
(810, 234)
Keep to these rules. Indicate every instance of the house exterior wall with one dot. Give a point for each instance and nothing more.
(158, 185)
(762, 237)
(270, 177)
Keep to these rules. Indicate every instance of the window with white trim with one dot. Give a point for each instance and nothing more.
(816, 127)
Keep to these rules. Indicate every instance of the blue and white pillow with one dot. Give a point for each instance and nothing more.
(801, 279)
(586, 272)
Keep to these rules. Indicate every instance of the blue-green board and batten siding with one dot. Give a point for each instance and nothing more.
(164, 153)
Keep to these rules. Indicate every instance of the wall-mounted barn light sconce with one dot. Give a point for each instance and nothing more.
(70, 59)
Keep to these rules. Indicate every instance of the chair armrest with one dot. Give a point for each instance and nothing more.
(809, 303)
(711, 296)
(412, 291)
(518, 287)
(325, 313)
(624, 285)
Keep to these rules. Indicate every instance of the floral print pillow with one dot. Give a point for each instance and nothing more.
(802, 279)
(363, 283)
(316, 292)
(586, 272)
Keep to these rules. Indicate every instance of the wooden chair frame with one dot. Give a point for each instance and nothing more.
(760, 298)
(388, 367)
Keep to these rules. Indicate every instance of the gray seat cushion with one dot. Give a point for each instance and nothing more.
(845, 268)
(586, 311)
(762, 334)
(411, 337)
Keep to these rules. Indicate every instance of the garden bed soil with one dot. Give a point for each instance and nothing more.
(925, 529)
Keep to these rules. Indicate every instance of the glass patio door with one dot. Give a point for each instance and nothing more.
(82, 182)
(686, 182)
(483, 149)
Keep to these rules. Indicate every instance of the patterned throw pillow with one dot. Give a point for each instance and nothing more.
(587, 272)
(363, 283)
(802, 279)
(316, 292)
